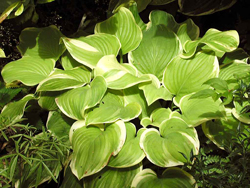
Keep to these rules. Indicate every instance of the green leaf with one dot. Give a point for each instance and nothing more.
(154, 91)
(40, 50)
(131, 153)
(70, 181)
(68, 79)
(218, 84)
(199, 110)
(204, 94)
(68, 62)
(238, 54)
(113, 107)
(160, 2)
(199, 8)
(138, 20)
(47, 100)
(134, 94)
(184, 76)
(111, 177)
(123, 26)
(7, 94)
(13, 112)
(222, 131)
(218, 41)
(44, 1)
(229, 71)
(20, 9)
(237, 111)
(13, 166)
(114, 5)
(89, 50)
(118, 76)
(6, 11)
(92, 147)
(171, 178)
(185, 30)
(158, 46)
(2, 54)
(74, 102)
(157, 117)
(59, 124)
(164, 149)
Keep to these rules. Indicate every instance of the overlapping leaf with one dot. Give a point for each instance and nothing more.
(123, 26)
(68, 79)
(74, 102)
(154, 91)
(218, 41)
(171, 178)
(198, 110)
(47, 99)
(118, 76)
(113, 107)
(131, 153)
(184, 76)
(172, 145)
(113, 177)
(89, 50)
(238, 111)
(40, 50)
(92, 147)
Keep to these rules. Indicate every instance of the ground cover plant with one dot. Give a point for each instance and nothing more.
(123, 104)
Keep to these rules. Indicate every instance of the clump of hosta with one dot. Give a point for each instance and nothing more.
(167, 64)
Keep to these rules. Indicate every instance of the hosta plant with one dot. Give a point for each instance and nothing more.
(128, 98)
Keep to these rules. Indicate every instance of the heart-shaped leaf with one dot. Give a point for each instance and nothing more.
(122, 24)
(173, 145)
(89, 50)
(113, 177)
(68, 79)
(74, 102)
(184, 76)
(171, 178)
(93, 147)
(113, 107)
(131, 153)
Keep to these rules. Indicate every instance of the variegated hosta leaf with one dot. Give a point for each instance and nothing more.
(198, 8)
(184, 76)
(154, 90)
(131, 153)
(93, 147)
(118, 76)
(68, 79)
(71, 181)
(199, 110)
(158, 46)
(68, 62)
(222, 131)
(123, 26)
(59, 124)
(47, 99)
(238, 54)
(169, 146)
(113, 177)
(89, 50)
(133, 8)
(185, 30)
(113, 107)
(134, 94)
(238, 111)
(218, 41)
(40, 49)
(13, 112)
(229, 71)
(74, 102)
(171, 178)
(157, 117)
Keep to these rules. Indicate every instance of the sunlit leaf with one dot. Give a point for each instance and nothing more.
(92, 147)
